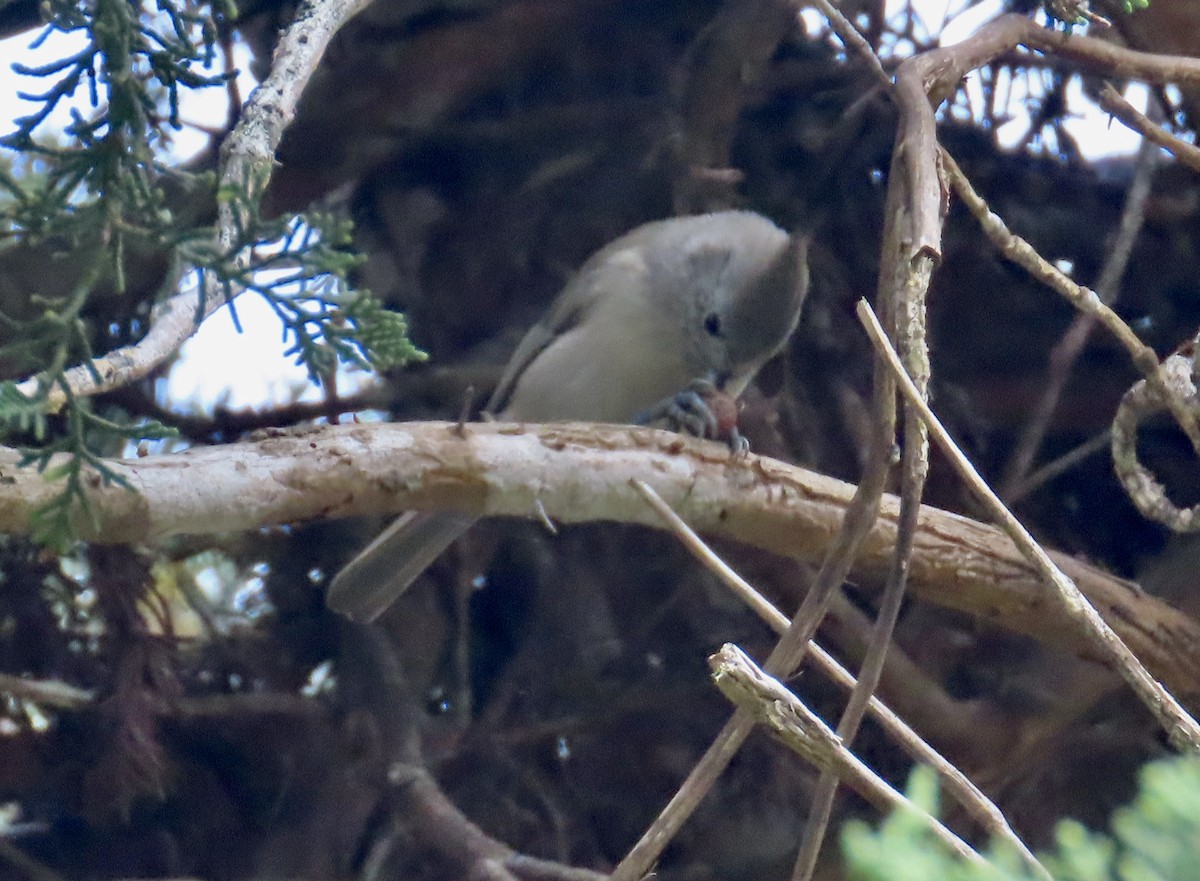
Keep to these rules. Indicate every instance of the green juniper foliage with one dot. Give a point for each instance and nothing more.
(1157, 838)
(1073, 12)
(299, 267)
(97, 195)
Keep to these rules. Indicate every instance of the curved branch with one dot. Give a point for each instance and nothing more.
(582, 473)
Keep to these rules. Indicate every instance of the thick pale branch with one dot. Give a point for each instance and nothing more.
(582, 473)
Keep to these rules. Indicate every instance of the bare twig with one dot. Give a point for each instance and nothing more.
(903, 286)
(959, 787)
(798, 727)
(927, 79)
(1068, 349)
(909, 253)
(913, 482)
(1084, 299)
(69, 698)
(853, 40)
(1112, 102)
(1181, 728)
(1061, 465)
(247, 160)
(229, 423)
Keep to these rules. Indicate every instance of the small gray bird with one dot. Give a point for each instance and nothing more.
(708, 298)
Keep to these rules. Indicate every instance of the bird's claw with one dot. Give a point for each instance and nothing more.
(691, 411)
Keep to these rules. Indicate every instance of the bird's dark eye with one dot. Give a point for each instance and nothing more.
(712, 324)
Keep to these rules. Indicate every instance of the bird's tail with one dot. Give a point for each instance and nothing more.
(374, 579)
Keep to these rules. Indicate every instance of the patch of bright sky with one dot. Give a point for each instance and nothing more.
(220, 366)
(198, 107)
(1096, 136)
(16, 49)
(954, 21)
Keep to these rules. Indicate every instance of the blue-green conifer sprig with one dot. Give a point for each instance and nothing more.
(90, 198)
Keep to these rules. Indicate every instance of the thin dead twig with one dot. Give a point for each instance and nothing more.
(1061, 465)
(957, 784)
(853, 40)
(856, 526)
(913, 272)
(230, 423)
(1070, 346)
(909, 253)
(924, 81)
(801, 730)
(908, 256)
(927, 79)
(1084, 299)
(789, 652)
(1181, 728)
(62, 696)
(1113, 103)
